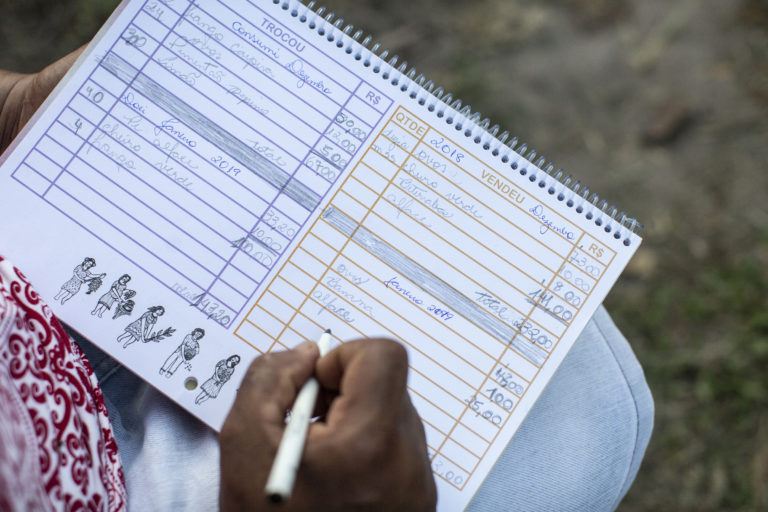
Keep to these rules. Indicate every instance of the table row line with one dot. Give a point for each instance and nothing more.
(456, 163)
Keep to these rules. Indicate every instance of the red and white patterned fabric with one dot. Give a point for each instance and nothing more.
(57, 451)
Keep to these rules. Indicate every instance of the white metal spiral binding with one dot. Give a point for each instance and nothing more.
(510, 150)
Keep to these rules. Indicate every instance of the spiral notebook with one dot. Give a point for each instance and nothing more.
(216, 180)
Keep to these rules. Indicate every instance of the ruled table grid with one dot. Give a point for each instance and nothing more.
(262, 177)
(475, 240)
(200, 144)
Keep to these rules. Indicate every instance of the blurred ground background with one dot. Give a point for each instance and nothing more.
(660, 105)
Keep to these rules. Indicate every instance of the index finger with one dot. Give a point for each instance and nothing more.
(272, 382)
(370, 376)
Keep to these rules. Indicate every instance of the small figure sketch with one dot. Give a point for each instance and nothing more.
(224, 370)
(115, 294)
(141, 328)
(126, 305)
(81, 274)
(184, 353)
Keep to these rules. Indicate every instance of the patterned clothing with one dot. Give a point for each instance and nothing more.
(188, 349)
(140, 327)
(79, 276)
(221, 375)
(57, 450)
(114, 293)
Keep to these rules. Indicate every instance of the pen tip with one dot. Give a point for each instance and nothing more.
(327, 331)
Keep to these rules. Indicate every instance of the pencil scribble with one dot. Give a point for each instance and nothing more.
(434, 286)
(212, 132)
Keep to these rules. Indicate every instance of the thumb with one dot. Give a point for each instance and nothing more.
(45, 80)
(271, 384)
(25, 93)
(251, 433)
(42, 83)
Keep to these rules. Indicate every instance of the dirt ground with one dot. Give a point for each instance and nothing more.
(662, 107)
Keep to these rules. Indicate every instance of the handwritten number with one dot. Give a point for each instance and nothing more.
(446, 149)
(322, 169)
(212, 309)
(451, 476)
(134, 39)
(350, 126)
(507, 381)
(225, 166)
(154, 10)
(487, 414)
(499, 399)
(582, 262)
(334, 157)
(253, 251)
(94, 96)
(276, 222)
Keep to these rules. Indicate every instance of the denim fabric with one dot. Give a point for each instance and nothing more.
(170, 459)
(579, 449)
(581, 445)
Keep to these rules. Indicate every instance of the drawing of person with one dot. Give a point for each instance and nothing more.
(141, 328)
(115, 294)
(81, 274)
(184, 353)
(224, 370)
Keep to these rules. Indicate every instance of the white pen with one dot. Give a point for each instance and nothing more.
(283, 473)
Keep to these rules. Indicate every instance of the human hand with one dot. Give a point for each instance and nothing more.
(368, 452)
(22, 94)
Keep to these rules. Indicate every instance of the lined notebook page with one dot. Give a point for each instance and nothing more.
(215, 180)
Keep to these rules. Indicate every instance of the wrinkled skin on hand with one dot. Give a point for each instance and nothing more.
(368, 451)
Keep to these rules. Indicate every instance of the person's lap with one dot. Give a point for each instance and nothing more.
(579, 448)
(581, 445)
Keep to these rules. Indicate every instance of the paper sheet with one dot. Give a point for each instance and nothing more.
(215, 180)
